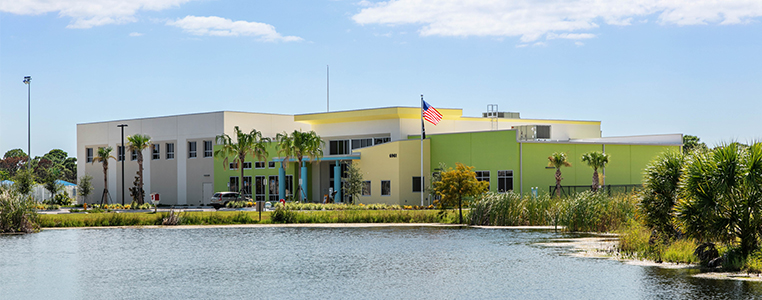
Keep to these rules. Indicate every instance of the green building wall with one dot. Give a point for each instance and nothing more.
(222, 173)
(499, 150)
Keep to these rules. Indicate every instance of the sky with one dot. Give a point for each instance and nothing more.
(639, 66)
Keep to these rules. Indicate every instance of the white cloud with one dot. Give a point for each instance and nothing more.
(88, 13)
(578, 43)
(530, 19)
(136, 34)
(216, 26)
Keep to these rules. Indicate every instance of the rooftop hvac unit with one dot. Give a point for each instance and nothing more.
(533, 132)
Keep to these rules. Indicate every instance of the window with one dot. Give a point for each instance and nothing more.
(207, 148)
(191, 149)
(378, 141)
(259, 187)
(366, 188)
(416, 184)
(504, 181)
(339, 147)
(247, 165)
(170, 150)
(483, 176)
(233, 184)
(247, 185)
(271, 164)
(361, 143)
(89, 154)
(233, 165)
(155, 151)
(134, 155)
(289, 185)
(273, 187)
(119, 153)
(386, 187)
(258, 165)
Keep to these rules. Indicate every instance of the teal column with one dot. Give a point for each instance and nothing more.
(281, 182)
(337, 181)
(304, 181)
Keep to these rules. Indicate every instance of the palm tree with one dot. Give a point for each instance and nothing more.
(299, 145)
(721, 195)
(246, 143)
(103, 155)
(138, 143)
(558, 160)
(596, 160)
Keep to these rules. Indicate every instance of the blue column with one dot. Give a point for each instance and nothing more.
(337, 181)
(304, 181)
(281, 182)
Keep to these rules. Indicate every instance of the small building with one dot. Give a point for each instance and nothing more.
(508, 151)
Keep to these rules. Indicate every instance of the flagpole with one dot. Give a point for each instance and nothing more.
(423, 136)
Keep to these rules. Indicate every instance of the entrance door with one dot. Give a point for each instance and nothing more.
(206, 192)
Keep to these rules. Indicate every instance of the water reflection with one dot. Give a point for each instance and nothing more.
(364, 263)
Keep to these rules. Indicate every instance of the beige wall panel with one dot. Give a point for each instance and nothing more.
(199, 170)
(376, 165)
(269, 124)
(163, 174)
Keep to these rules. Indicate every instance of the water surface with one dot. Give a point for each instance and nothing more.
(329, 263)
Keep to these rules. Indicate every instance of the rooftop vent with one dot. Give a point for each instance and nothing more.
(501, 114)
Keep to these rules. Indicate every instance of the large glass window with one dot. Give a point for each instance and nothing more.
(233, 184)
(483, 176)
(207, 148)
(289, 185)
(170, 150)
(361, 143)
(272, 184)
(386, 187)
(89, 154)
(259, 187)
(378, 141)
(155, 151)
(338, 147)
(247, 186)
(504, 181)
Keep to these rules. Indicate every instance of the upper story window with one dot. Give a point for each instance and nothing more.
(134, 155)
(234, 165)
(192, 149)
(155, 151)
(247, 165)
(170, 150)
(259, 165)
(120, 153)
(207, 148)
(89, 154)
(271, 164)
(338, 147)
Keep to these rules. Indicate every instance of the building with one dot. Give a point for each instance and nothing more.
(506, 150)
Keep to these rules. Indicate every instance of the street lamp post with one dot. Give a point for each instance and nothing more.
(28, 82)
(123, 157)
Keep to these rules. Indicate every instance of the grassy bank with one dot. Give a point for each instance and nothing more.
(245, 217)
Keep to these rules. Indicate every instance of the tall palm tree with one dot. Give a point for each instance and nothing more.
(299, 145)
(138, 143)
(596, 160)
(558, 160)
(246, 143)
(103, 155)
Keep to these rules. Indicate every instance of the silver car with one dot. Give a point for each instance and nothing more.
(221, 199)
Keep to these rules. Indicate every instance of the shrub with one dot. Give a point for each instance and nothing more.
(17, 212)
(282, 215)
(681, 251)
(171, 218)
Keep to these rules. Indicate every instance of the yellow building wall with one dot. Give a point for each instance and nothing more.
(397, 162)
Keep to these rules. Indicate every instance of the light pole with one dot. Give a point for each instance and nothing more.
(124, 157)
(28, 82)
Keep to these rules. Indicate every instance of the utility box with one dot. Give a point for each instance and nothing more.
(260, 205)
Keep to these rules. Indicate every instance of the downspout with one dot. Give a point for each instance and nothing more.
(521, 168)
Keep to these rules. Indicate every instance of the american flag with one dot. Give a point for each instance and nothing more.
(431, 114)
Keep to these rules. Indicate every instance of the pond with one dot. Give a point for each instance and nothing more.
(329, 263)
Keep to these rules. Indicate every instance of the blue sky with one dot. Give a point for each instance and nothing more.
(640, 67)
